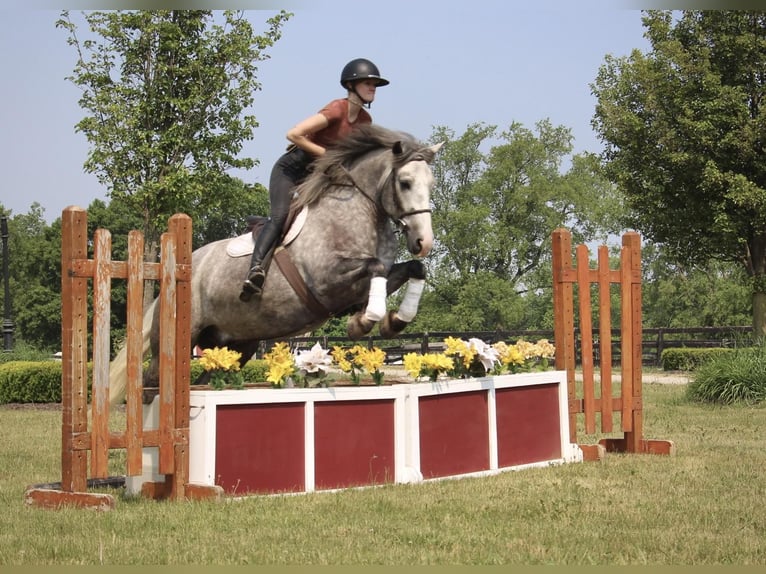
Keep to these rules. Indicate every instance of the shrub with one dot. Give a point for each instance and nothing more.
(688, 359)
(40, 381)
(253, 371)
(735, 377)
(30, 382)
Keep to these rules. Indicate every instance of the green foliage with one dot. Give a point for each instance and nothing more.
(254, 371)
(23, 351)
(39, 381)
(30, 382)
(479, 302)
(165, 94)
(494, 213)
(715, 294)
(683, 128)
(689, 359)
(736, 377)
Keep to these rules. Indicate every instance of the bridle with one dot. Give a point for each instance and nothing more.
(387, 176)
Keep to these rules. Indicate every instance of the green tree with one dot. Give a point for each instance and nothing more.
(165, 93)
(676, 295)
(497, 199)
(35, 278)
(684, 128)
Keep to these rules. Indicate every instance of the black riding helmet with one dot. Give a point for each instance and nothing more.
(361, 69)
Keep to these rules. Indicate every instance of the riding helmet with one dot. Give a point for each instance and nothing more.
(361, 69)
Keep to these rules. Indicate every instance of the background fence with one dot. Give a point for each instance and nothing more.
(654, 341)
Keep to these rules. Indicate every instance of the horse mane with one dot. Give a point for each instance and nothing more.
(362, 140)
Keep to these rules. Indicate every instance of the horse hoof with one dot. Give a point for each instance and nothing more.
(357, 327)
(391, 325)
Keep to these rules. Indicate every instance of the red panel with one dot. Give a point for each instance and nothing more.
(354, 443)
(454, 434)
(528, 424)
(259, 448)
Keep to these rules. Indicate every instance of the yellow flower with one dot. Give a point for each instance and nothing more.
(438, 362)
(280, 362)
(460, 348)
(512, 356)
(455, 346)
(220, 358)
(370, 359)
(341, 359)
(412, 364)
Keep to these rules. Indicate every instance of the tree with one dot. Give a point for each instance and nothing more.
(494, 213)
(165, 93)
(684, 128)
(35, 278)
(676, 295)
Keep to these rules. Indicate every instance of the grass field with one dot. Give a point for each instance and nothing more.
(705, 505)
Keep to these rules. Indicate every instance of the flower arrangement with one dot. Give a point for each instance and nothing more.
(223, 366)
(525, 356)
(475, 358)
(281, 364)
(359, 359)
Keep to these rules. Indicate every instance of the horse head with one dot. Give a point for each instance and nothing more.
(407, 199)
(391, 169)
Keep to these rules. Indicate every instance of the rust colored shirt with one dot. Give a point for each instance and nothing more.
(339, 127)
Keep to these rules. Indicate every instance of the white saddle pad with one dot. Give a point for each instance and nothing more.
(244, 244)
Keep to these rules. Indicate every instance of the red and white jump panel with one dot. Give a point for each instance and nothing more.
(264, 441)
(302, 440)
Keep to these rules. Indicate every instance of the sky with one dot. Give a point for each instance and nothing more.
(450, 64)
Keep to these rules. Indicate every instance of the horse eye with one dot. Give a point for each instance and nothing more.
(405, 184)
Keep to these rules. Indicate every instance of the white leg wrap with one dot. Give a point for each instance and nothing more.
(409, 307)
(376, 304)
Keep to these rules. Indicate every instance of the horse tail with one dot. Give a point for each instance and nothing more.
(118, 369)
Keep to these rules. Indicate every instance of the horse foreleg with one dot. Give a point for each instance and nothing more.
(362, 322)
(414, 274)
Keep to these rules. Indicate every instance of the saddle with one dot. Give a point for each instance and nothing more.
(254, 225)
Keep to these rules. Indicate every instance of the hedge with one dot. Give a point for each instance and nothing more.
(40, 381)
(688, 359)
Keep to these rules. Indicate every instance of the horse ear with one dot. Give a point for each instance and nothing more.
(397, 149)
(436, 147)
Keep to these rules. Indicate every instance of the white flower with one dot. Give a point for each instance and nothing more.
(486, 354)
(314, 360)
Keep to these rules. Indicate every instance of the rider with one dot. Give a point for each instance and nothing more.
(310, 139)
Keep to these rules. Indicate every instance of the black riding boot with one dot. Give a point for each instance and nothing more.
(253, 284)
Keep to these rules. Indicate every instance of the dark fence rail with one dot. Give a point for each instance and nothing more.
(654, 341)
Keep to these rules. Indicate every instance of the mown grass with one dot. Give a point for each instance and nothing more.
(705, 505)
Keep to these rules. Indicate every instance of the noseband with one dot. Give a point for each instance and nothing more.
(388, 175)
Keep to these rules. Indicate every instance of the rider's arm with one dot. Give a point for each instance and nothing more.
(299, 133)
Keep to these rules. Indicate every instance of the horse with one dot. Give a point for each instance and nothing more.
(358, 195)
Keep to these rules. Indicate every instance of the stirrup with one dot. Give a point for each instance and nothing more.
(249, 290)
(253, 285)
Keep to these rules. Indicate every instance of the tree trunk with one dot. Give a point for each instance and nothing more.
(151, 249)
(759, 315)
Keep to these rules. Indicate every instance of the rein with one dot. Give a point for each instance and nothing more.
(384, 178)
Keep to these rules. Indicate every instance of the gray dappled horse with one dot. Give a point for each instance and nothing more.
(357, 193)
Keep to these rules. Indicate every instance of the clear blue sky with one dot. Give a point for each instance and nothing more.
(450, 64)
